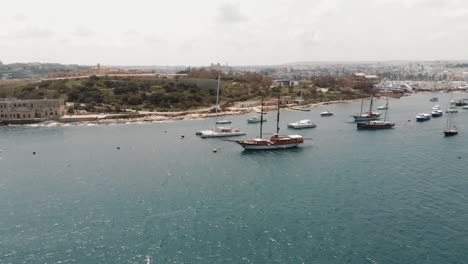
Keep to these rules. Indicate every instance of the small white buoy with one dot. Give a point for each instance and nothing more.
(215, 150)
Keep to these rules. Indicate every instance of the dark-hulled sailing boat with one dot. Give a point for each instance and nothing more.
(377, 124)
(450, 128)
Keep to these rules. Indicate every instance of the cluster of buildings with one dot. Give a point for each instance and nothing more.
(97, 71)
(14, 111)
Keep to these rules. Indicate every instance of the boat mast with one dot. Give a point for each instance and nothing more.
(362, 102)
(278, 114)
(371, 102)
(386, 109)
(217, 100)
(261, 118)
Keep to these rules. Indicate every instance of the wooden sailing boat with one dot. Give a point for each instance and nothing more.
(376, 124)
(367, 116)
(274, 142)
(220, 131)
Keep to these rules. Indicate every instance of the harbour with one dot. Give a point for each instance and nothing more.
(117, 193)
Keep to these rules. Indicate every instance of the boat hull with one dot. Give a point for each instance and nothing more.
(223, 122)
(450, 133)
(255, 121)
(268, 147)
(365, 119)
(374, 126)
(218, 135)
(301, 127)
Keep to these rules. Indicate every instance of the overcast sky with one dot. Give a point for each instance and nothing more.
(242, 32)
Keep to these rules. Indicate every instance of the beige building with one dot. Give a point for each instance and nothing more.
(360, 77)
(13, 110)
(247, 104)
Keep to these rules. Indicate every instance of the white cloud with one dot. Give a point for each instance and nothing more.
(238, 31)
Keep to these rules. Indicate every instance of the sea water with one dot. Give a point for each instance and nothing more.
(117, 193)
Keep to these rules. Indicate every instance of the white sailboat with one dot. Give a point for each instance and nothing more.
(220, 131)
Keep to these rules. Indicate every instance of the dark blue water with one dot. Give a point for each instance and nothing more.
(347, 196)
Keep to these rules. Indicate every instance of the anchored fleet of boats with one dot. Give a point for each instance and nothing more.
(364, 120)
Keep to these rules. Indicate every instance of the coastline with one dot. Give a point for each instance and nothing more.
(104, 119)
(150, 117)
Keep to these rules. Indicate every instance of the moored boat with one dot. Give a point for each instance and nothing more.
(274, 142)
(382, 107)
(306, 123)
(437, 113)
(221, 132)
(255, 119)
(224, 121)
(326, 113)
(450, 128)
(434, 99)
(376, 124)
(452, 110)
(368, 116)
(436, 107)
(465, 107)
(423, 117)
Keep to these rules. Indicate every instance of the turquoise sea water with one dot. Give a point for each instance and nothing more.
(347, 196)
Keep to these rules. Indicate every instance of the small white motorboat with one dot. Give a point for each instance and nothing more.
(224, 121)
(255, 119)
(306, 123)
(423, 117)
(382, 107)
(326, 113)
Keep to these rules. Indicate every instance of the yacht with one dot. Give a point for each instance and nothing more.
(326, 113)
(437, 113)
(423, 117)
(224, 121)
(452, 110)
(382, 107)
(221, 132)
(255, 119)
(306, 123)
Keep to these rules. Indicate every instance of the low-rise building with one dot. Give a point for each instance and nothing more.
(245, 104)
(15, 111)
(360, 77)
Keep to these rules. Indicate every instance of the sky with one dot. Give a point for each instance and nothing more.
(238, 32)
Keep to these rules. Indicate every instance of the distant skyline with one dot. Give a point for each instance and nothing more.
(256, 32)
